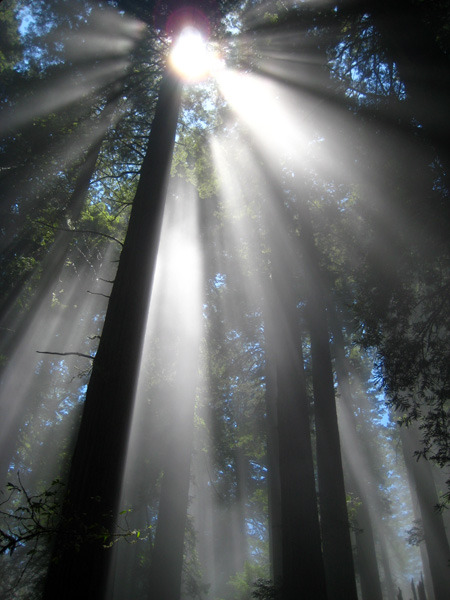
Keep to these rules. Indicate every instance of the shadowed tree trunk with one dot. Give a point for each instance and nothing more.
(301, 553)
(336, 541)
(273, 459)
(365, 543)
(421, 590)
(295, 525)
(337, 549)
(97, 464)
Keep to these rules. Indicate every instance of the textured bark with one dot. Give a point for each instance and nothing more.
(97, 464)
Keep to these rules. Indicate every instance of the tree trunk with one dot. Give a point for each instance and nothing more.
(337, 548)
(407, 31)
(167, 556)
(97, 464)
(273, 461)
(389, 585)
(301, 560)
(365, 542)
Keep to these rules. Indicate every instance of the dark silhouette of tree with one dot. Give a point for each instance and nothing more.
(96, 469)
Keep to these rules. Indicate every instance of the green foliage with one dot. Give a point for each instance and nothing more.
(28, 519)
(192, 157)
(253, 576)
(29, 522)
(10, 44)
(353, 504)
(265, 589)
(192, 577)
(33, 519)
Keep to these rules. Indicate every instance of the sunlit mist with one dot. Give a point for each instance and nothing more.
(169, 372)
(302, 245)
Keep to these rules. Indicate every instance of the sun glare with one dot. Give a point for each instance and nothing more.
(190, 56)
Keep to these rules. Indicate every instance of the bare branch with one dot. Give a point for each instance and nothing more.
(105, 235)
(98, 294)
(67, 354)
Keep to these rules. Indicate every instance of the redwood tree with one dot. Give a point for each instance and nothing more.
(97, 464)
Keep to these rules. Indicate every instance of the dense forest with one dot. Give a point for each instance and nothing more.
(225, 300)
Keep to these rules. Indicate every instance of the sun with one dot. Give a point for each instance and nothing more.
(190, 56)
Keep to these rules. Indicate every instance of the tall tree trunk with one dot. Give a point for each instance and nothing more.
(97, 464)
(337, 549)
(301, 560)
(365, 542)
(389, 584)
(336, 540)
(273, 460)
(167, 557)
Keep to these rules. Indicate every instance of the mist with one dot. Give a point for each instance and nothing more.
(224, 303)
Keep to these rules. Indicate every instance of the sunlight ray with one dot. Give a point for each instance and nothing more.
(170, 358)
(65, 154)
(49, 331)
(62, 93)
(273, 119)
(233, 420)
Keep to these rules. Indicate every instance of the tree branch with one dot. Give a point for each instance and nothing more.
(67, 354)
(109, 237)
(98, 294)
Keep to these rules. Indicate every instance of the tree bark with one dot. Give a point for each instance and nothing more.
(273, 461)
(365, 543)
(301, 560)
(337, 548)
(98, 460)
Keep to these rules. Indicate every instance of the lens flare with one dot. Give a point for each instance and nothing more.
(190, 56)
